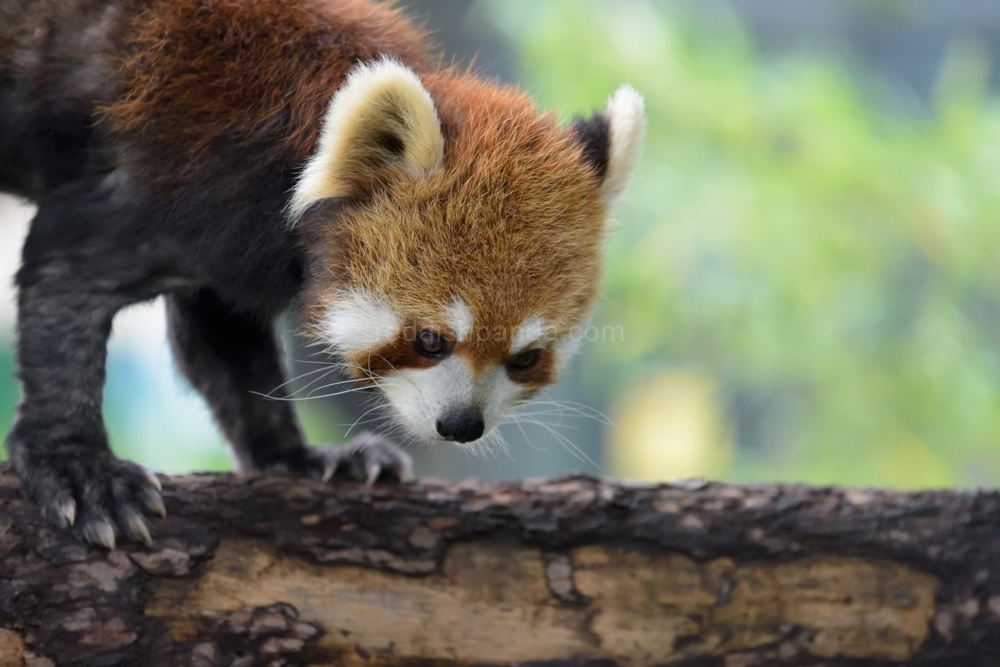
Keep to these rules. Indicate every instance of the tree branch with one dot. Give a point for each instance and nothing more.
(249, 571)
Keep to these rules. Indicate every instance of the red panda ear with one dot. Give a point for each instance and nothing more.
(594, 134)
(612, 141)
(381, 119)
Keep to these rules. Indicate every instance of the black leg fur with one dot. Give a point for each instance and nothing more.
(58, 443)
(72, 282)
(232, 358)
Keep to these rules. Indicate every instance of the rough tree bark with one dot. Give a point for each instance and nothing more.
(579, 571)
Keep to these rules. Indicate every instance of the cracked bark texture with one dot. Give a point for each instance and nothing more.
(274, 571)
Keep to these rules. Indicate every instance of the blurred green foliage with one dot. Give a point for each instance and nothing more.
(833, 266)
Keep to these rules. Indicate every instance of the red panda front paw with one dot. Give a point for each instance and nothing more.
(94, 494)
(367, 458)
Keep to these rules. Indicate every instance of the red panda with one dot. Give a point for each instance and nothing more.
(240, 157)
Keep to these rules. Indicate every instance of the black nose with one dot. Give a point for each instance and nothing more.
(462, 425)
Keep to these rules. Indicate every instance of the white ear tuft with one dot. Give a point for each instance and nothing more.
(381, 117)
(627, 124)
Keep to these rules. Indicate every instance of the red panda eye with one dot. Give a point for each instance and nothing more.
(431, 344)
(524, 361)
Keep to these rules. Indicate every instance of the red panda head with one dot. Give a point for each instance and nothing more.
(455, 238)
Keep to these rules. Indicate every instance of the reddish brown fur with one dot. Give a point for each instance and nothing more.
(254, 71)
(513, 224)
(539, 375)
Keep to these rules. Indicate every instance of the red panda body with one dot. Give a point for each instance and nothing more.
(241, 156)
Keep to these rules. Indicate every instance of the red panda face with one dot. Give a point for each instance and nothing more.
(455, 239)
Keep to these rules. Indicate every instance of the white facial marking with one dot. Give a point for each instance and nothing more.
(420, 397)
(530, 331)
(628, 127)
(459, 318)
(360, 321)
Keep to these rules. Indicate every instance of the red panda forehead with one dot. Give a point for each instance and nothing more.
(503, 270)
(507, 235)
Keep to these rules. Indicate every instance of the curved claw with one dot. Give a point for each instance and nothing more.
(101, 532)
(67, 511)
(137, 527)
(368, 458)
(155, 503)
(154, 480)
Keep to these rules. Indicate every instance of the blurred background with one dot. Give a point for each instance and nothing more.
(805, 281)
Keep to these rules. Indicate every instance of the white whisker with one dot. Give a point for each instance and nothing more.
(308, 398)
(566, 442)
(322, 387)
(370, 410)
(578, 409)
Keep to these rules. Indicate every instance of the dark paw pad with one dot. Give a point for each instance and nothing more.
(367, 458)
